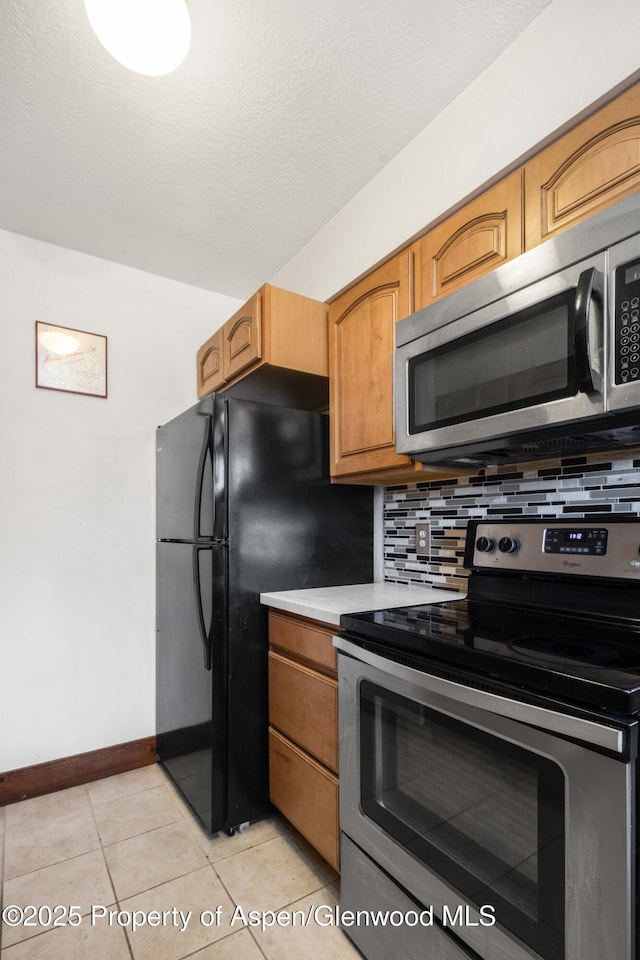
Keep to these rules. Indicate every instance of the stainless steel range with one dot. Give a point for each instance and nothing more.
(488, 754)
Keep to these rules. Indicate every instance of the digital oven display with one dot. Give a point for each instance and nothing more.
(585, 540)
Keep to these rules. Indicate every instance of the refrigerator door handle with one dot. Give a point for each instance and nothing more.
(204, 636)
(202, 466)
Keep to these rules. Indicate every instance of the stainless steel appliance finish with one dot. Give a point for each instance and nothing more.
(540, 356)
(605, 549)
(488, 752)
(366, 886)
(599, 811)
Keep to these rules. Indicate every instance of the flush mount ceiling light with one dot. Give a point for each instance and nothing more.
(148, 36)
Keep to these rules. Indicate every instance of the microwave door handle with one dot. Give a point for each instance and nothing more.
(585, 294)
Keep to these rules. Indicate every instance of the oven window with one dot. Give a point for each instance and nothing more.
(485, 815)
(518, 362)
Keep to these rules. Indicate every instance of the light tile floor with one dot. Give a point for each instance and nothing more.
(128, 848)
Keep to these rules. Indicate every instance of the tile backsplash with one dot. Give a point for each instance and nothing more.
(593, 486)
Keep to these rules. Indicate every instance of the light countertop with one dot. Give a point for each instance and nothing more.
(328, 603)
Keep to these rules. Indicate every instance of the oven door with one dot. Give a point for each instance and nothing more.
(488, 808)
(529, 361)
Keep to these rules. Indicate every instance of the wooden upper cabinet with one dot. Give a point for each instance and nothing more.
(477, 238)
(243, 338)
(590, 167)
(210, 361)
(276, 330)
(361, 343)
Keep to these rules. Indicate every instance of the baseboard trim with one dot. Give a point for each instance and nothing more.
(27, 782)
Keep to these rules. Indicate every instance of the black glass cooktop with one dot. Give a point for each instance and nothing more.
(587, 659)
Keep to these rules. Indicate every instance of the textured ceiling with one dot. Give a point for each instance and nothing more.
(219, 173)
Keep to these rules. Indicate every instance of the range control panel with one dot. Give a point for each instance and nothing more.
(591, 541)
(609, 549)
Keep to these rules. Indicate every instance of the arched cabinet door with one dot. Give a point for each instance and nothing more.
(479, 237)
(210, 373)
(361, 343)
(243, 338)
(589, 168)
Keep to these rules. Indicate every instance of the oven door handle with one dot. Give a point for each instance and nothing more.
(589, 732)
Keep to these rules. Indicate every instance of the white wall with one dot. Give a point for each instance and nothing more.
(77, 473)
(77, 487)
(568, 58)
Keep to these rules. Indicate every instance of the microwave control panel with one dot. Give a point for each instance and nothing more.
(627, 322)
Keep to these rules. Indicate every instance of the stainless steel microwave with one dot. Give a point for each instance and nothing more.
(539, 358)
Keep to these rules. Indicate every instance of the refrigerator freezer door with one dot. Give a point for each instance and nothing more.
(191, 667)
(184, 475)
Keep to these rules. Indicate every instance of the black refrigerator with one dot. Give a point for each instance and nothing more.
(244, 506)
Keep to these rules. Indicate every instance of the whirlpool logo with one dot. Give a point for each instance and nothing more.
(571, 563)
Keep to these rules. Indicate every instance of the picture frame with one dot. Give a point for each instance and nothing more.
(70, 360)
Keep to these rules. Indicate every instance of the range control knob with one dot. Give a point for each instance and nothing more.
(508, 545)
(485, 544)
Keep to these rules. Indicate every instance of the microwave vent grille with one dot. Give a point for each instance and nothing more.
(525, 450)
(568, 443)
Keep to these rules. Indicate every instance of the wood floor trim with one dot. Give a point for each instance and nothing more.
(34, 781)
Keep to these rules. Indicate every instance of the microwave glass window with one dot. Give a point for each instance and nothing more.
(484, 814)
(519, 362)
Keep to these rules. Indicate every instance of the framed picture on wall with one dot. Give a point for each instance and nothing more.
(71, 360)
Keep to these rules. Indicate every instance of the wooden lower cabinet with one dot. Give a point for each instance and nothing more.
(306, 793)
(303, 729)
(303, 704)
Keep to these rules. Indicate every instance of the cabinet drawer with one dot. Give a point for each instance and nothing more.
(308, 640)
(303, 705)
(306, 794)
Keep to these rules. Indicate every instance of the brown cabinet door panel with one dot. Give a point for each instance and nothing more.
(485, 233)
(590, 167)
(365, 338)
(303, 705)
(306, 794)
(361, 343)
(210, 374)
(303, 639)
(243, 338)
